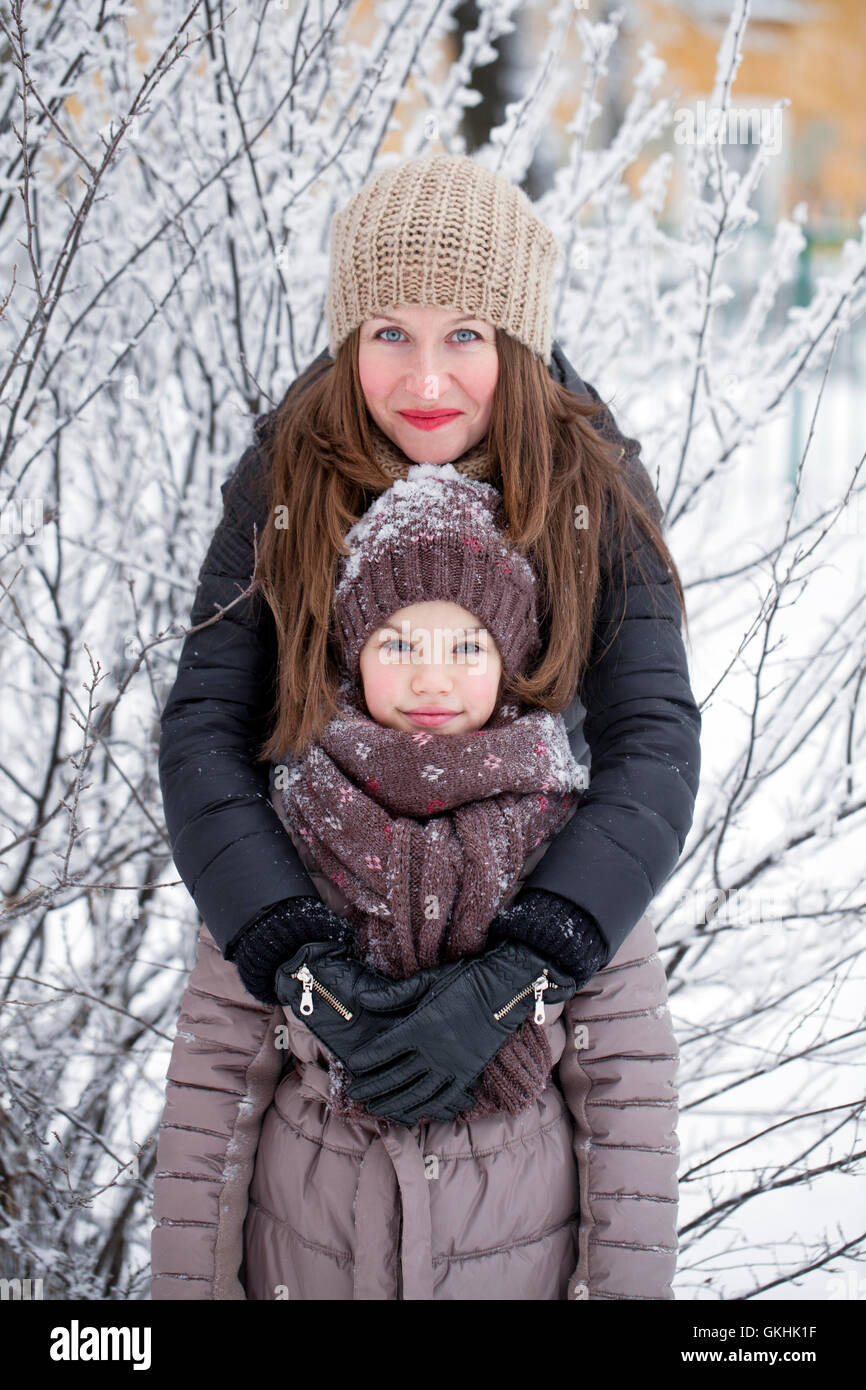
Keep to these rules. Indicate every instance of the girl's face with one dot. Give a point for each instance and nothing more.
(428, 360)
(431, 657)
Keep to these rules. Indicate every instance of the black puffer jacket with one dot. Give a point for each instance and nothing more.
(634, 722)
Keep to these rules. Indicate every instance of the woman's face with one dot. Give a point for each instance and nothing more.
(431, 656)
(428, 360)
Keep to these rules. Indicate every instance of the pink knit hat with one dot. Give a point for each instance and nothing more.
(436, 534)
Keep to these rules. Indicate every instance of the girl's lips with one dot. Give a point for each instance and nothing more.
(431, 421)
(429, 720)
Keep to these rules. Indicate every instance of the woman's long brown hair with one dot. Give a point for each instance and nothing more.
(546, 460)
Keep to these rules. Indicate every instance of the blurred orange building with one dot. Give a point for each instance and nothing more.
(811, 51)
(814, 54)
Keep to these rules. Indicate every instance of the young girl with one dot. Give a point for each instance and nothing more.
(262, 1191)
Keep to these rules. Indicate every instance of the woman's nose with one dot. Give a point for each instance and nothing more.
(425, 376)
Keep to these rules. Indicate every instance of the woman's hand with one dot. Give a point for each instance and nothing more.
(424, 1065)
(556, 928)
(260, 951)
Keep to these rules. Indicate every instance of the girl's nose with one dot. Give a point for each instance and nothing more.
(431, 676)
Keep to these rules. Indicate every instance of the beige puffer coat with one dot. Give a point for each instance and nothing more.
(261, 1192)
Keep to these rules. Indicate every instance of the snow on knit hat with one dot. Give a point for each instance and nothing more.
(443, 229)
(436, 534)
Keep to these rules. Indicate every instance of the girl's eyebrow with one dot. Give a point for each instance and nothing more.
(389, 632)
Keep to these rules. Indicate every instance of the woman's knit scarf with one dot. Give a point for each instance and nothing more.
(425, 835)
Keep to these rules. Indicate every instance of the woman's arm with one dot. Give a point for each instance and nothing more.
(226, 839)
(643, 728)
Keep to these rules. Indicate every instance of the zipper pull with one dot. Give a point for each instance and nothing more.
(306, 979)
(538, 988)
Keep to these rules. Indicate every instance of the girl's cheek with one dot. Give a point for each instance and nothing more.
(381, 683)
(481, 687)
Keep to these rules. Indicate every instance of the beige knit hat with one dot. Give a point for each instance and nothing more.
(441, 229)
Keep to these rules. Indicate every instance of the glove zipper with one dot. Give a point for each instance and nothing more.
(538, 986)
(309, 982)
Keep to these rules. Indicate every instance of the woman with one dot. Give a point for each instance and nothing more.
(427, 242)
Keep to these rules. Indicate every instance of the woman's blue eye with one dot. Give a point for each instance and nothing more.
(399, 330)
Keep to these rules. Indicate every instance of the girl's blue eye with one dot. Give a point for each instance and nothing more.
(398, 641)
(399, 330)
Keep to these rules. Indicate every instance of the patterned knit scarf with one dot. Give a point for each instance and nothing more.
(425, 834)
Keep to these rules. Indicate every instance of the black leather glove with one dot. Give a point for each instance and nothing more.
(260, 951)
(337, 997)
(424, 1066)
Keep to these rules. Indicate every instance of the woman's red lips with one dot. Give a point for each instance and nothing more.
(429, 419)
